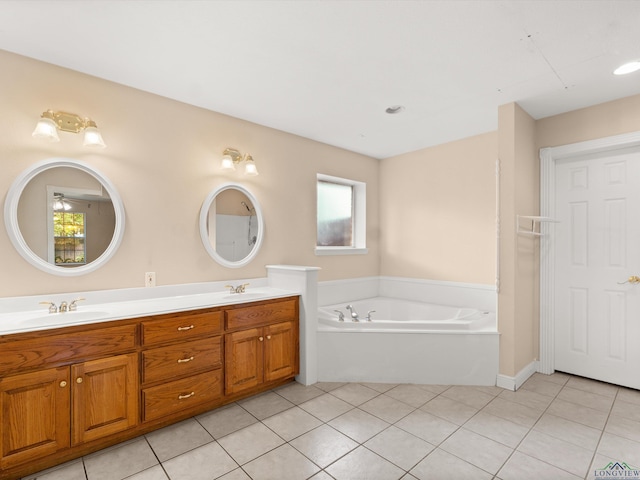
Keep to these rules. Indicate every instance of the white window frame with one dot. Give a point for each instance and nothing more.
(359, 218)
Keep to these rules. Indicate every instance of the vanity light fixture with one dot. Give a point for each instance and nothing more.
(232, 157)
(50, 122)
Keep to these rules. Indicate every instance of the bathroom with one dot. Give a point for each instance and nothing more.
(438, 223)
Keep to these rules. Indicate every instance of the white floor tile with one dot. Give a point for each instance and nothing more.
(442, 465)
(324, 445)
(399, 447)
(283, 463)
(363, 464)
(480, 451)
(556, 452)
(250, 442)
(203, 463)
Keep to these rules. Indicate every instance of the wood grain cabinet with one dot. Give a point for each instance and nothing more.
(50, 409)
(261, 345)
(69, 391)
(181, 362)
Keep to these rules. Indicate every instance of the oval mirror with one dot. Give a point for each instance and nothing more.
(231, 225)
(64, 217)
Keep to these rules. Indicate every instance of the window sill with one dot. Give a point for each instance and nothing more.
(321, 251)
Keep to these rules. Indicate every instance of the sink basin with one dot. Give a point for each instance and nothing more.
(64, 318)
(241, 296)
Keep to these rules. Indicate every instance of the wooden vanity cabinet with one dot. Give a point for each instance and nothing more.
(50, 408)
(69, 391)
(181, 362)
(261, 345)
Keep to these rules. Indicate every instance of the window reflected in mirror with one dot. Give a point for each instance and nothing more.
(80, 217)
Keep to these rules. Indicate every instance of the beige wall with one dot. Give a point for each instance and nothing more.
(438, 212)
(519, 186)
(430, 214)
(520, 140)
(603, 120)
(163, 157)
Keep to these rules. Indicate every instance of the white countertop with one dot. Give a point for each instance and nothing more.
(87, 313)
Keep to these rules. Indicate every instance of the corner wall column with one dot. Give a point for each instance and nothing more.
(305, 281)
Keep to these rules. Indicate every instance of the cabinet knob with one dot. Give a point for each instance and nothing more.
(182, 329)
(79, 380)
(261, 338)
(268, 337)
(182, 397)
(63, 384)
(185, 360)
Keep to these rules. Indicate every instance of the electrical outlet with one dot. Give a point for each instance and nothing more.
(150, 279)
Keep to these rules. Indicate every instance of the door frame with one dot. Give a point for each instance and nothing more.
(548, 158)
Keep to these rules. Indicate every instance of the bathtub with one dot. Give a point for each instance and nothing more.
(396, 315)
(407, 342)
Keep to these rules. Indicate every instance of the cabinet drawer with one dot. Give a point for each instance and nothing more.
(180, 327)
(60, 349)
(183, 359)
(181, 394)
(262, 314)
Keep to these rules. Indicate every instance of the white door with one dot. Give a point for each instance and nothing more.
(596, 318)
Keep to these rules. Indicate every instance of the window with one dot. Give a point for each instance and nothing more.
(341, 216)
(69, 244)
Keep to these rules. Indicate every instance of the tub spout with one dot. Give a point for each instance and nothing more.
(340, 315)
(354, 314)
(369, 315)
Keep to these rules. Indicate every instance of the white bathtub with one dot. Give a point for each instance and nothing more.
(407, 342)
(392, 314)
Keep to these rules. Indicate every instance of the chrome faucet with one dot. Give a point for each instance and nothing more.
(340, 315)
(238, 289)
(354, 314)
(369, 315)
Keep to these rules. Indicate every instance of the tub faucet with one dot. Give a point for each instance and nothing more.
(340, 315)
(354, 314)
(63, 307)
(369, 315)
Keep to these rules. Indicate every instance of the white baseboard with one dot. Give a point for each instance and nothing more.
(514, 383)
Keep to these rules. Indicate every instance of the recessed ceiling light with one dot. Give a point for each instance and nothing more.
(627, 68)
(394, 109)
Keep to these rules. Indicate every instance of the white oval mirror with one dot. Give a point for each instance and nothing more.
(64, 217)
(231, 225)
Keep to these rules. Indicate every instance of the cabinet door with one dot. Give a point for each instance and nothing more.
(280, 351)
(105, 397)
(243, 360)
(34, 415)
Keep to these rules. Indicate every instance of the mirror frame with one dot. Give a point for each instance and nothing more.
(204, 233)
(13, 228)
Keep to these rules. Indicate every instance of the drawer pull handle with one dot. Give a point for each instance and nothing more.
(79, 380)
(63, 384)
(268, 337)
(185, 360)
(188, 395)
(182, 329)
(261, 338)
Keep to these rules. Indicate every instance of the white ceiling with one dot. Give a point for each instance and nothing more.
(326, 70)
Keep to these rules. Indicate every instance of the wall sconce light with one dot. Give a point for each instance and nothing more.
(232, 157)
(50, 122)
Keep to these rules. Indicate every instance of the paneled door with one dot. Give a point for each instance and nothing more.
(597, 245)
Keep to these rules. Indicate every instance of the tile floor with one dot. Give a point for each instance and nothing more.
(554, 427)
